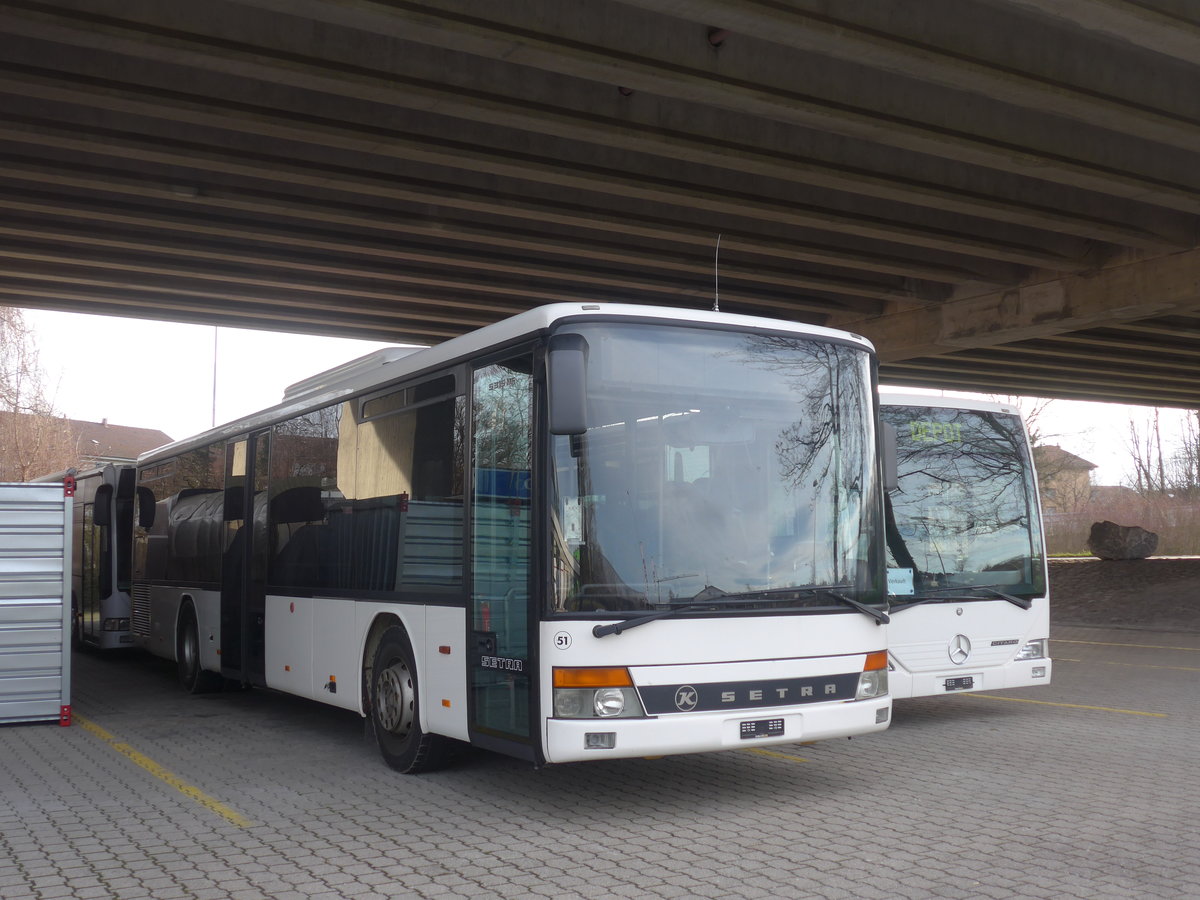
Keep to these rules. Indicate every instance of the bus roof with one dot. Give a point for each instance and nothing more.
(394, 363)
(888, 398)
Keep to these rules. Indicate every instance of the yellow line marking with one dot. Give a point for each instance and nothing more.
(1105, 662)
(1127, 712)
(170, 778)
(762, 751)
(1119, 644)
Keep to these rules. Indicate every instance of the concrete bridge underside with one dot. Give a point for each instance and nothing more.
(1003, 194)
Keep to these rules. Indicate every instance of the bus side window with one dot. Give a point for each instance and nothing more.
(303, 497)
(102, 509)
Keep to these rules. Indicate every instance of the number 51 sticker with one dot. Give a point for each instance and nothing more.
(562, 640)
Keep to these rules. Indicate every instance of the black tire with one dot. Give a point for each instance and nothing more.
(395, 710)
(187, 656)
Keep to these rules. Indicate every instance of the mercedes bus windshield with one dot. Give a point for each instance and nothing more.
(966, 514)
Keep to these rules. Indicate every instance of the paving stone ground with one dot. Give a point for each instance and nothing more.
(1086, 788)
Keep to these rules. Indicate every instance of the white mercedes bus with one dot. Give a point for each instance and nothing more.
(970, 608)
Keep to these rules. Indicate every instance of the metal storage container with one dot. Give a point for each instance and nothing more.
(35, 602)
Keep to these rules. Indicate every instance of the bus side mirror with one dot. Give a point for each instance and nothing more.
(102, 508)
(891, 469)
(145, 504)
(566, 369)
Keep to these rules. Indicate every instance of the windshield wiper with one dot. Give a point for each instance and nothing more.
(1015, 601)
(713, 596)
(880, 617)
(830, 590)
(707, 597)
(959, 592)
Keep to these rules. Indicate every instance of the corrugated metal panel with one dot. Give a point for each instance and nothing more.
(35, 570)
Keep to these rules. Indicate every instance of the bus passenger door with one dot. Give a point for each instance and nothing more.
(243, 566)
(501, 616)
(89, 551)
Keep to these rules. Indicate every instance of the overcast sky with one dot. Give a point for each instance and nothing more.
(150, 374)
(160, 375)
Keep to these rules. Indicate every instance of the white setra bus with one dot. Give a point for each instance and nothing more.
(588, 531)
(969, 608)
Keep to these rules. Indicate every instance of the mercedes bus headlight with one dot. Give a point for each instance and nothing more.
(601, 693)
(1035, 649)
(873, 682)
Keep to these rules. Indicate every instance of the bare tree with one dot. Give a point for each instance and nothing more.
(34, 440)
(1166, 467)
(1035, 411)
(1186, 462)
(1061, 485)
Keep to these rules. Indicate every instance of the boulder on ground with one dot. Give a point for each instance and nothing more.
(1108, 540)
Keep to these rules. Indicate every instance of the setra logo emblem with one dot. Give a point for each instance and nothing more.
(959, 649)
(686, 698)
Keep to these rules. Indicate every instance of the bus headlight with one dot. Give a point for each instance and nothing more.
(569, 704)
(609, 702)
(597, 703)
(1035, 649)
(595, 694)
(873, 682)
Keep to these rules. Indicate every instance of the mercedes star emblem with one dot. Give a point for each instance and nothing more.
(959, 649)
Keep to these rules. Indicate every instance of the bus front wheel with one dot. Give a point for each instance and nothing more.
(395, 709)
(187, 656)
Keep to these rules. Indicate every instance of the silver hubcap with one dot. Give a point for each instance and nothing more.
(395, 700)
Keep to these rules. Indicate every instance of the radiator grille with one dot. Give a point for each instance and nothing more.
(140, 614)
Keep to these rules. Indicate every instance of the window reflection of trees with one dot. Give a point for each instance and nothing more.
(733, 460)
(828, 382)
(503, 419)
(963, 504)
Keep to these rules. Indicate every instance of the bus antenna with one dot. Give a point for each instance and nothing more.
(717, 276)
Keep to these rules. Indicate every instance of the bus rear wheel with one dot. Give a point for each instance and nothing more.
(396, 712)
(187, 656)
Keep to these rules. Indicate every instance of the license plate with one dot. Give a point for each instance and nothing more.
(966, 682)
(761, 728)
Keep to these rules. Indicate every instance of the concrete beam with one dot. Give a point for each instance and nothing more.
(1137, 290)
(626, 135)
(459, 273)
(542, 246)
(287, 174)
(996, 363)
(244, 310)
(1123, 20)
(570, 176)
(1102, 390)
(429, 24)
(1101, 352)
(823, 33)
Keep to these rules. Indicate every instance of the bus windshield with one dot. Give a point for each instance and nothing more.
(716, 464)
(965, 514)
